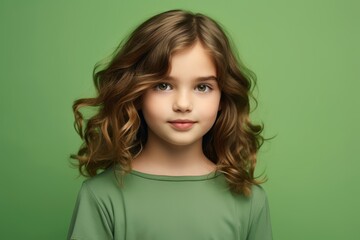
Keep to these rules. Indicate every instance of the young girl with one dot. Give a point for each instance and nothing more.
(171, 151)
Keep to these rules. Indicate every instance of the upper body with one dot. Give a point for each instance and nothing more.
(174, 116)
(163, 207)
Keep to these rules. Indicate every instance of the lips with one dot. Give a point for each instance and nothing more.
(182, 124)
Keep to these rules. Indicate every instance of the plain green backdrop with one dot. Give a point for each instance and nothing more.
(306, 57)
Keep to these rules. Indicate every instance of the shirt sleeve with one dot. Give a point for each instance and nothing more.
(260, 225)
(90, 220)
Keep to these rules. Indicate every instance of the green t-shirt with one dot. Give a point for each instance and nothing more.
(158, 207)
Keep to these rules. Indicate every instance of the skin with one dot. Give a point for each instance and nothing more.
(179, 112)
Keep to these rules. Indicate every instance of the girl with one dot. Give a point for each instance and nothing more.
(171, 151)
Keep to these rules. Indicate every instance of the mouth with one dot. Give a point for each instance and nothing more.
(182, 124)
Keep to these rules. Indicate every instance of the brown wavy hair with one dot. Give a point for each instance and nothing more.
(117, 132)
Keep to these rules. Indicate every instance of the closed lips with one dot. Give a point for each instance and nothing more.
(182, 121)
(182, 125)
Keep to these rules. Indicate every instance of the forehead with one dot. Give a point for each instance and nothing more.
(194, 62)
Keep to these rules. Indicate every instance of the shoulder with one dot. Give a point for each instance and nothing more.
(253, 214)
(258, 194)
(259, 220)
(97, 206)
(252, 205)
(259, 208)
(107, 176)
(258, 199)
(103, 185)
(100, 194)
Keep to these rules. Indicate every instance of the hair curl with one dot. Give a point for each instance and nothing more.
(117, 132)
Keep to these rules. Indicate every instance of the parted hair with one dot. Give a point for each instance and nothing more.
(117, 132)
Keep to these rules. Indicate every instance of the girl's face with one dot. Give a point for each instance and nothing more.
(183, 108)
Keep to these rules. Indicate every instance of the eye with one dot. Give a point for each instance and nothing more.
(203, 88)
(163, 87)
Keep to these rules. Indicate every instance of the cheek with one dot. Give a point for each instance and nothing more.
(151, 106)
(210, 115)
(210, 109)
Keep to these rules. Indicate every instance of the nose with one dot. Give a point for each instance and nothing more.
(182, 102)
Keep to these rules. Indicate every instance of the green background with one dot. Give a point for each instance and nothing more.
(306, 57)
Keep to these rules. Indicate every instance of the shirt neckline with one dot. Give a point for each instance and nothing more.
(203, 177)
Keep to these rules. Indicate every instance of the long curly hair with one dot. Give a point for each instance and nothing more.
(117, 132)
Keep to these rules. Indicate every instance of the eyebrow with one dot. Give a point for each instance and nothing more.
(199, 79)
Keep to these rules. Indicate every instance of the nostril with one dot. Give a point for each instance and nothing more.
(182, 106)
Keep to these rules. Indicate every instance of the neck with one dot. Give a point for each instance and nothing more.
(159, 157)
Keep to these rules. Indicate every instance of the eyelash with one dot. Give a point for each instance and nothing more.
(167, 85)
(157, 87)
(208, 88)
